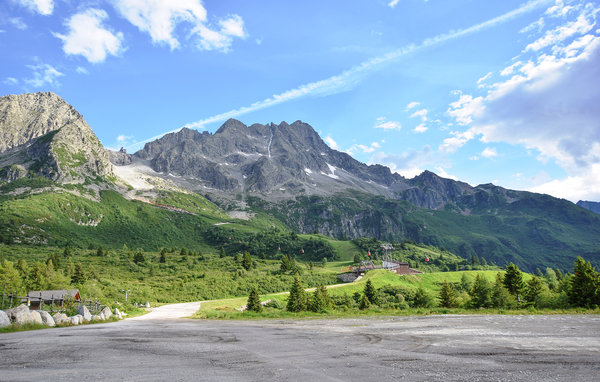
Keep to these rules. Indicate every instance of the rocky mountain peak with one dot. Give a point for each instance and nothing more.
(43, 134)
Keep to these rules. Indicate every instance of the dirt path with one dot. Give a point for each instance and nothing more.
(170, 311)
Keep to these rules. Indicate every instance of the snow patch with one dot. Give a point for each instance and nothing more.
(307, 171)
(332, 169)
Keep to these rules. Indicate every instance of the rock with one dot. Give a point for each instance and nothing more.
(106, 312)
(4, 320)
(46, 318)
(77, 320)
(118, 314)
(36, 317)
(84, 312)
(60, 318)
(96, 317)
(147, 305)
(101, 315)
(20, 315)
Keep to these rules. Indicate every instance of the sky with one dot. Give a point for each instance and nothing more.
(504, 92)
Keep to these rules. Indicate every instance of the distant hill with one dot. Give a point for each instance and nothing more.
(592, 206)
(57, 185)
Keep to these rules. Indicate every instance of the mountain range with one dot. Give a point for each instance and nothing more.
(288, 173)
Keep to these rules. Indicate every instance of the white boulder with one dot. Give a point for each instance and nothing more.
(118, 314)
(46, 318)
(84, 312)
(20, 315)
(4, 320)
(76, 320)
(36, 317)
(60, 318)
(106, 312)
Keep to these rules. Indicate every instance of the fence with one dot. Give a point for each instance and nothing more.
(50, 305)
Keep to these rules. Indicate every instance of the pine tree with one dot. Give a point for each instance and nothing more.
(465, 283)
(78, 276)
(297, 298)
(422, 299)
(183, 252)
(585, 284)
(501, 298)
(370, 292)
(247, 261)
(533, 289)
(357, 258)
(447, 296)
(222, 253)
(513, 280)
(254, 301)
(100, 251)
(67, 252)
(364, 303)
(139, 258)
(316, 302)
(480, 293)
(163, 256)
(10, 279)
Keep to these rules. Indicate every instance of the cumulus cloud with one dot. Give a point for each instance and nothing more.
(548, 103)
(408, 164)
(421, 128)
(489, 152)
(421, 114)
(160, 19)
(43, 75)
(585, 186)
(43, 7)
(363, 148)
(88, 37)
(393, 3)
(18, 23)
(412, 105)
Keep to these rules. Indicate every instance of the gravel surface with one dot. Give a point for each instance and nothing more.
(433, 348)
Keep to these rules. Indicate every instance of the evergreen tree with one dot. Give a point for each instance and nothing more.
(163, 256)
(585, 284)
(183, 252)
(551, 278)
(480, 293)
(254, 301)
(465, 283)
(79, 275)
(513, 280)
(316, 302)
(297, 298)
(533, 289)
(447, 296)
(357, 258)
(475, 260)
(370, 292)
(501, 298)
(139, 258)
(422, 299)
(559, 274)
(100, 251)
(67, 252)
(364, 303)
(222, 253)
(247, 261)
(483, 261)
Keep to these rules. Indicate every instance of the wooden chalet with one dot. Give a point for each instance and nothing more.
(55, 298)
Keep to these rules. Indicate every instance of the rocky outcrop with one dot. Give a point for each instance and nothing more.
(12, 173)
(47, 319)
(119, 158)
(592, 206)
(45, 135)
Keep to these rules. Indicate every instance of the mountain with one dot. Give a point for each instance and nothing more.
(54, 174)
(592, 206)
(42, 135)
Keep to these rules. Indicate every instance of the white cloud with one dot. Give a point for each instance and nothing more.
(11, 81)
(43, 74)
(18, 23)
(534, 26)
(82, 70)
(161, 18)
(363, 148)
(450, 145)
(88, 37)
(421, 114)
(387, 125)
(479, 81)
(412, 105)
(442, 172)
(393, 3)
(466, 108)
(408, 164)
(585, 186)
(580, 26)
(331, 142)
(123, 138)
(43, 7)
(421, 128)
(510, 69)
(489, 152)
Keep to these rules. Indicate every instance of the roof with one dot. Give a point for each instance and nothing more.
(54, 294)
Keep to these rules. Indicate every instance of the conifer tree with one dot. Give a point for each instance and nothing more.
(100, 251)
(222, 253)
(297, 298)
(533, 289)
(254, 301)
(163, 256)
(480, 293)
(10, 279)
(370, 292)
(513, 280)
(247, 261)
(316, 302)
(364, 303)
(422, 299)
(447, 296)
(501, 298)
(139, 258)
(78, 276)
(584, 289)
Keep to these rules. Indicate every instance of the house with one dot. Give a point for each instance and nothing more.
(403, 269)
(54, 298)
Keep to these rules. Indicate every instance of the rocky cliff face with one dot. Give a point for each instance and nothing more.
(592, 206)
(43, 135)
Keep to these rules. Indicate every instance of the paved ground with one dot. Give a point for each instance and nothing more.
(435, 348)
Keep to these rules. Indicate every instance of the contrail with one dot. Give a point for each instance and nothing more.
(353, 76)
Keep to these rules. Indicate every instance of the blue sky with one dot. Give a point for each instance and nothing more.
(481, 91)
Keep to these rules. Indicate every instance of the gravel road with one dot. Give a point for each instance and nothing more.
(434, 348)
